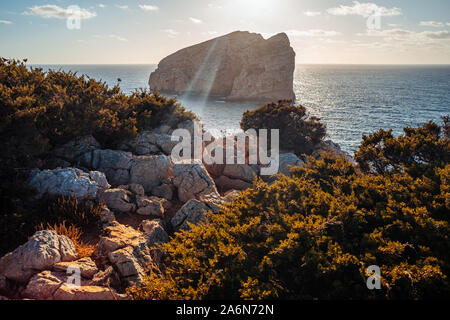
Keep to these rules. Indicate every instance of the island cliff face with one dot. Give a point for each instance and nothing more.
(237, 66)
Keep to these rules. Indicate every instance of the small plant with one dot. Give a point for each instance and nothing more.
(74, 234)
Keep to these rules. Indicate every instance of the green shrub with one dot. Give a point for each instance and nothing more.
(40, 111)
(298, 132)
(313, 236)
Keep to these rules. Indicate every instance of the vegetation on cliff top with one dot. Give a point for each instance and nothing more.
(40, 111)
(313, 236)
(298, 132)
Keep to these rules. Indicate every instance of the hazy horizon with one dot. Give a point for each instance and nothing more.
(331, 32)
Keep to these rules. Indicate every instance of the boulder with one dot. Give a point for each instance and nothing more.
(126, 248)
(137, 189)
(150, 171)
(330, 147)
(150, 207)
(69, 292)
(118, 200)
(155, 232)
(68, 182)
(74, 149)
(225, 183)
(163, 191)
(107, 216)
(192, 181)
(42, 251)
(288, 160)
(244, 172)
(242, 66)
(42, 286)
(86, 266)
(115, 164)
(194, 212)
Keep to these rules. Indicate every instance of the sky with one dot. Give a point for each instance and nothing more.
(145, 31)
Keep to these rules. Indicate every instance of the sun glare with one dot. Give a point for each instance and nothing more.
(253, 7)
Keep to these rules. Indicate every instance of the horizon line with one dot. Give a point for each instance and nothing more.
(303, 63)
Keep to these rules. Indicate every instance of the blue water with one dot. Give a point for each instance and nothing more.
(352, 100)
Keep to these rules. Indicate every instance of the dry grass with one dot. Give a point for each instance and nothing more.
(73, 233)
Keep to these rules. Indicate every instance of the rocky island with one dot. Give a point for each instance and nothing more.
(237, 66)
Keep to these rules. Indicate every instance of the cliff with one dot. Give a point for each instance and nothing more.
(237, 66)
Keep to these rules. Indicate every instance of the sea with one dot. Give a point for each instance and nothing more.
(352, 100)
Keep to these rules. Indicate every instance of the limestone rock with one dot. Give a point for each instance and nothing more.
(107, 217)
(329, 146)
(119, 236)
(192, 181)
(163, 191)
(42, 251)
(194, 212)
(126, 248)
(150, 143)
(150, 207)
(118, 200)
(86, 266)
(68, 182)
(115, 164)
(42, 286)
(242, 172)
(288, 160)
(150, 171)
(137, 189)
(70, 292)
(73, 150)
(155, 232)
(225, 183)
(237, 66)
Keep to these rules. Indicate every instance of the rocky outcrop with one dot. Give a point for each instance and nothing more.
(86, 266)
(287, 161)
(124, 168)
(154, 229)
(118, 200)
(192, 181)
(330, 147)
(42, 251)
(125, 248)
(237, 66)
(68, 182)
(195, 211)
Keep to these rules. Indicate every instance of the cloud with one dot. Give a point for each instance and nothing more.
(123, 7)
(366, 9)
(147, 7)
(312, 33)
(119, 38)
(101, 5)
(437, 35)
(434, 24)
(5, 22)
(407, 35)
(52, 11)
(312, 13)
(196, 21)
(171, 33)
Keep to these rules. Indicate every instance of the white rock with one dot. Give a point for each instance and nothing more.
(68, 182)
(41, 252)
